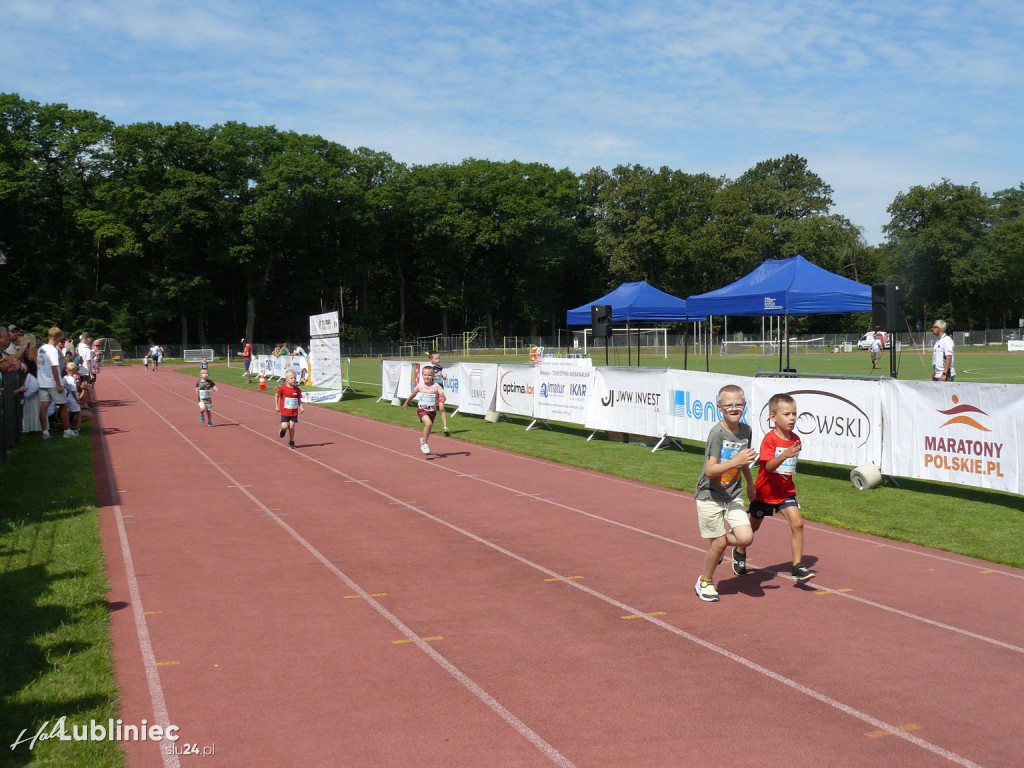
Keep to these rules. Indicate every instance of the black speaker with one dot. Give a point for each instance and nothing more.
(601, 320)
(888, 307)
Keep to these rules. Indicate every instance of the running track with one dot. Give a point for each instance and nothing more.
(354, 603)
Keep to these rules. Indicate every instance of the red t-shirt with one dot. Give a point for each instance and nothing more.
(288, 399)
(777, 486)
(247, 352)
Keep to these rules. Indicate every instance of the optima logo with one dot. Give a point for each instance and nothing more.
(826, 414)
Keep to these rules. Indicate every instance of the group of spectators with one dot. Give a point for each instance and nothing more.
(49, 385)
(289, 349)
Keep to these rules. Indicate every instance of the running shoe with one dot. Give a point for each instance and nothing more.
(447, 432)
(202, 420)
(706, 590)
(291, 445)
(739, 563)
(802, 573)
(424, 448)
(281, 433)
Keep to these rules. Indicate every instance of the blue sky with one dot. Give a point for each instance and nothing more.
(878, 96)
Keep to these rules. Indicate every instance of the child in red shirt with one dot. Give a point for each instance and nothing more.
(431, 395)
(288, 403)
(774, 489)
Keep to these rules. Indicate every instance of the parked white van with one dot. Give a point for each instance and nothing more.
(867, 338)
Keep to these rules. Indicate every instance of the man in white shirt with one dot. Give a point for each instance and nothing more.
(85, 353)
(51, 384)
(942, 353)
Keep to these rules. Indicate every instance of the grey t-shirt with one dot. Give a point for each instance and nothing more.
(725, 445)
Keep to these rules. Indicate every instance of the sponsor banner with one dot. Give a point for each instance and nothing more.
(517, 386)
(324, 325)
(449, 379)
(955, 432)
(274, 366)
(325, 362)
(691, 402)
(322, 396)
(630, 400)
(474, 385)
(839, 421)
(391, 379)
(1015, 345)
(561, 391)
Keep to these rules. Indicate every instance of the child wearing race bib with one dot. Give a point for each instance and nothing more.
(205, 388)
(289, 403)
(429, 396)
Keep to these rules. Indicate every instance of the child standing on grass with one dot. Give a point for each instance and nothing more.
(727, 455)
(435, 363)
(775, 490)
(205, 388)
(430, 396)
(289, 403)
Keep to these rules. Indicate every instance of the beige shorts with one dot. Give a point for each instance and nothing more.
(52, 395)
(713, 515)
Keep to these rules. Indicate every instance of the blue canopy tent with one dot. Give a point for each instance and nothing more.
(638, 302)
(785, 287)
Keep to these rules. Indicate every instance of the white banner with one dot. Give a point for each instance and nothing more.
(326, 324)
(955, 432)
(1015, 345)
(562, 391)
(517, 385)
(274, 366)
(390, 379)
(325, 362)
(839, 421)
(630, 400)
(475, 386)
(691, 402)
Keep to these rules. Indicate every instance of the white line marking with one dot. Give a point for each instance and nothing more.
(149, 662)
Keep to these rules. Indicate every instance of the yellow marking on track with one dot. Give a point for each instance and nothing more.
(821, 591)
(410, 640)
(879, 546)
(641, 615)
(151, 613)
(880, 734)
(567, 578)
(360, 597)
(167, 663)
(987, 570)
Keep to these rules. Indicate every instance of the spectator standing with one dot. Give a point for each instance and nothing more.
(942, 353)
(51, 385)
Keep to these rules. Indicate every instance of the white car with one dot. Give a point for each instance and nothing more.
(867, 338)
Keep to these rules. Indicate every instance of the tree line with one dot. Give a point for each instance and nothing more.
(200, 234)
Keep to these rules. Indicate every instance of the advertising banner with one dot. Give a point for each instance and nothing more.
(517, 386)
(955, 432)
(691, 402)
(326, 324)
(839, 421)
(390, 377)
(475, 385)
(325, 362)
(562, 390)
(630, 400)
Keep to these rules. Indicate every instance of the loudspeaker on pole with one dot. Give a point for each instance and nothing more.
(888, 307)
(601, 320)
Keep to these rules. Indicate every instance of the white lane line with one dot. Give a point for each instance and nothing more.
(149, 663)
(472, 686)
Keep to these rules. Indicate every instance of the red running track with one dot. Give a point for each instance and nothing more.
(354, 603)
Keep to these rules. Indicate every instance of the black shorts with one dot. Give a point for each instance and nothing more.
(761, 509)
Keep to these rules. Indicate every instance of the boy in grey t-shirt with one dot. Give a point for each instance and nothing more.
(727, 455)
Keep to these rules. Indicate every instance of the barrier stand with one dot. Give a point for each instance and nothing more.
(671, 440)
(543, 424)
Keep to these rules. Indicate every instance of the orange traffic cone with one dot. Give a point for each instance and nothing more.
(263, 381)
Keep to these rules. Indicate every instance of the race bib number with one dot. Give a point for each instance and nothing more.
(205, 394)
(728, 452)
(428, 400)
(788, 466)
(291, 403)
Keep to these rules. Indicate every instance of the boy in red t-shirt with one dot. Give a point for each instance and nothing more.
(774, 489)
(431, 395)
(288, 404)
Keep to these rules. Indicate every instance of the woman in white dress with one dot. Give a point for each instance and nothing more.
(30, 414)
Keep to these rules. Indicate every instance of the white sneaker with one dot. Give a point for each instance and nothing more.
(706, 590)
(424, 448)
(46, 434)
(70, 433)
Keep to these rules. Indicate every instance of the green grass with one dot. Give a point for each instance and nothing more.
(55, 657)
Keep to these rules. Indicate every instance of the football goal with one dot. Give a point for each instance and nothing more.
(198, 355)
(647, 340)
(771, 346)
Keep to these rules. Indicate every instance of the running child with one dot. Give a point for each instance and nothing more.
(434, 361)
(774, 490)
(288, 404)
(727, 455)
(205, 388)
(430, 396)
